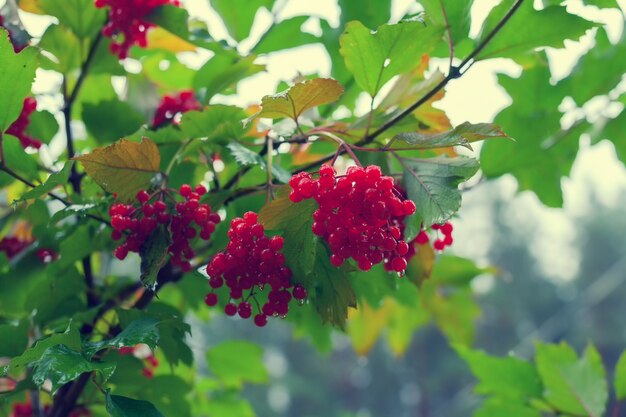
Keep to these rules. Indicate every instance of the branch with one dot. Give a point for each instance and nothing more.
(66, 399)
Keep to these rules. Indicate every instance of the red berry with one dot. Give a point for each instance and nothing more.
(210, 299)
(446, 229)
(398, 264)
(260, 320)
(244, 309)
(439, 244)
(230, 309)
(143, 196)
(299, 292)
(185, 190)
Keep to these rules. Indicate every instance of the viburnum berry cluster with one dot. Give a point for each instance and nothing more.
(127, 20)
(358, 215)
(172, 106)
(251, 261)
(188, 219)
(12, 245)
(19, 126)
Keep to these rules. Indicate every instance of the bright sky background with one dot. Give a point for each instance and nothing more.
(476, 97)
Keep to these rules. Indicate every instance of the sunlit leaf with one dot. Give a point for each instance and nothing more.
(123, 168)
(529, 29)
(572, 385)
(222, 73)
(620, 378)
(285, 34)
(81, 16)
(16, 75)
(300, 97)
(238, 15)
(159, 38)
(374, 58)
(508, 377)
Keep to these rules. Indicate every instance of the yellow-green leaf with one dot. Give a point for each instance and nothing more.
(124, 167)
(299, 98)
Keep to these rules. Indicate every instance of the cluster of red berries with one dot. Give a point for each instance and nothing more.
(25, 409)
(358, 215)
(172, 106)
(17, 48)
(189, 219)
(446, 230)
(18, 127)
(150, 361)
(127, 18)
(12, 246)
(251, 261)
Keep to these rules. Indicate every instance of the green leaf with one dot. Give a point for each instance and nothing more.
(80, 210)
(121, 120)
(374, 58)
(60, 365)
(507, 377)
(171, 18)
(432, 184)
(236, 362)
(572, 385)
(217, 123)
(238, 15)
(17, 73)
(228, 404)
(17, 159)
(76, 245)
(246, 157)
(501, 407)
(457, 14)
(529, 29)
(118, 406)
(454, 270)
(372, 13)
(462, 135)
(123, 168)
(53, 181)
(222, 73)
(329, 288)
(43, 126)
(541, 156)
(620, 378)
(285, 34)
(142, 330)
(585, 81)
(14, 338)
(62, 49)
(154, 256)
(70, 338)
(300, 97)
(81, 16)
(294, 220)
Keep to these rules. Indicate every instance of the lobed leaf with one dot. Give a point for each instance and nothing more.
(462, 135)
(298, 98)
(17, 73)
(572, 385)
(142, 330)
(123, 168)
(374, 58)
(60, 364)
(432, 184)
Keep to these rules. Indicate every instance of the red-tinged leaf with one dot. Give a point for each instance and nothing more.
(299, 98)
(123, 168)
